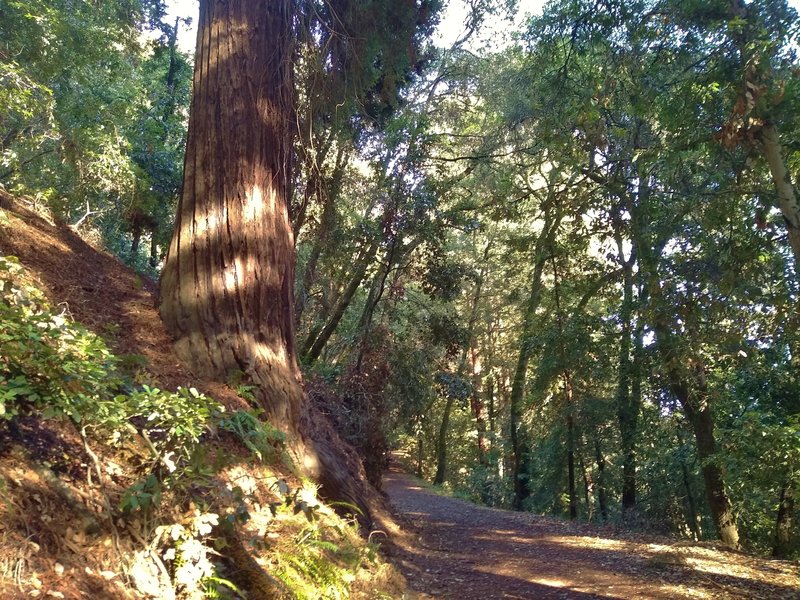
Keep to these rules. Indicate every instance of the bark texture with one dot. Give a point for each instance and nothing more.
(227, 285)
(226, 288)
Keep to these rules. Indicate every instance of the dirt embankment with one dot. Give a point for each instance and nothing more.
(56, 537)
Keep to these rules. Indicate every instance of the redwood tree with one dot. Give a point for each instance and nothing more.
(226, 287)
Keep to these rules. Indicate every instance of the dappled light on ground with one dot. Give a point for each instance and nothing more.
(588, 542)
(460, 550)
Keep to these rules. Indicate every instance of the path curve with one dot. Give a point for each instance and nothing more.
(465, 551)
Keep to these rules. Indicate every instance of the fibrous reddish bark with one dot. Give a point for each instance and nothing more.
(226, 288)
(227, 285)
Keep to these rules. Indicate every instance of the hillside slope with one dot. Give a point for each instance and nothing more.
(63, 532)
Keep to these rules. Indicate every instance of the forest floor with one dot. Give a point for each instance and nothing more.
(470, 552)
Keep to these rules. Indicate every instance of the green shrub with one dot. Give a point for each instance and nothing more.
(47, 361)
(261, 438)
(51, 365)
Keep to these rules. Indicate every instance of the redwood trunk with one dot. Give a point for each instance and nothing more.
(227, 285)
(226, 288)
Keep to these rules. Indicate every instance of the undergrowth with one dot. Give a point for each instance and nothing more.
(53, 368)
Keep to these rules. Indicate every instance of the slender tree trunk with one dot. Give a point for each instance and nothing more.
(691, 504)
(136, 241)
(587, 485)
(172, 71)
(568, 399)
(686, 382)
(441, 442)
(476, 403)
(153, 249)
(395, 254)
(490, 398)
(698, 412)
(420, 454)
(602, 499)
(628, 404)
(784, 522)
(328, 192)
(518, 445)
(787, 199)
(227, 285)
(311, 353)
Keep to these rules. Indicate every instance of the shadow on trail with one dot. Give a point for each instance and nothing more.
(471, 552)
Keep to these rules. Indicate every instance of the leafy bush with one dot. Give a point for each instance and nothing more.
(46, 360)
(261, 438)
(52, 365)
(55, 368)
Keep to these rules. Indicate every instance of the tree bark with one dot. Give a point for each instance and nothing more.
(420, 454)
(784, 521)
(227, 285)
(787, 199)
(490, 398)
(226, 288)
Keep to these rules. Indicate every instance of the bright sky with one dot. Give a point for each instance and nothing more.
(450, 28)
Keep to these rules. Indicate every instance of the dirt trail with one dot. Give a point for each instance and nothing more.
(460, 550)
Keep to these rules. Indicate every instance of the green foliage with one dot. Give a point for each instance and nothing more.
(323, 562)
(51, 365)
(261, 438)
(94, 123)
(173, 421)
(47, 361)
